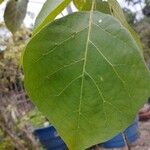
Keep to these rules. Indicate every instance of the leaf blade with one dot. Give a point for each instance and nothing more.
(14, 14)
(88, 105)
(50, 10)
(109, 7)
(100, 5)
(1, 1)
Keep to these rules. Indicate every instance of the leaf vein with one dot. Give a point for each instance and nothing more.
(68, 85)
(65, 66)
(111, 35)
(112, 66)
(59, 44)
(100, 94)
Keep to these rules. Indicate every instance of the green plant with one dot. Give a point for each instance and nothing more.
(15, 13)
(1, 1)
(86, 72)
(35, 118)
(6, 144)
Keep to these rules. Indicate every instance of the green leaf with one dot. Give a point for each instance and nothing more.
(85, 73)
(1, 1)
(15, 13)
(50, 10)
(85, 5)
(117, 12)
(109, 7)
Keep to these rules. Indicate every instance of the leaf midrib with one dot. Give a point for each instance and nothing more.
(84, 65)
(84, 71)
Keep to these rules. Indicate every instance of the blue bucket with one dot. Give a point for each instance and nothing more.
(131, 133)
(49, 138)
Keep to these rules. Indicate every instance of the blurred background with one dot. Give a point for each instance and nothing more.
(18, 116)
